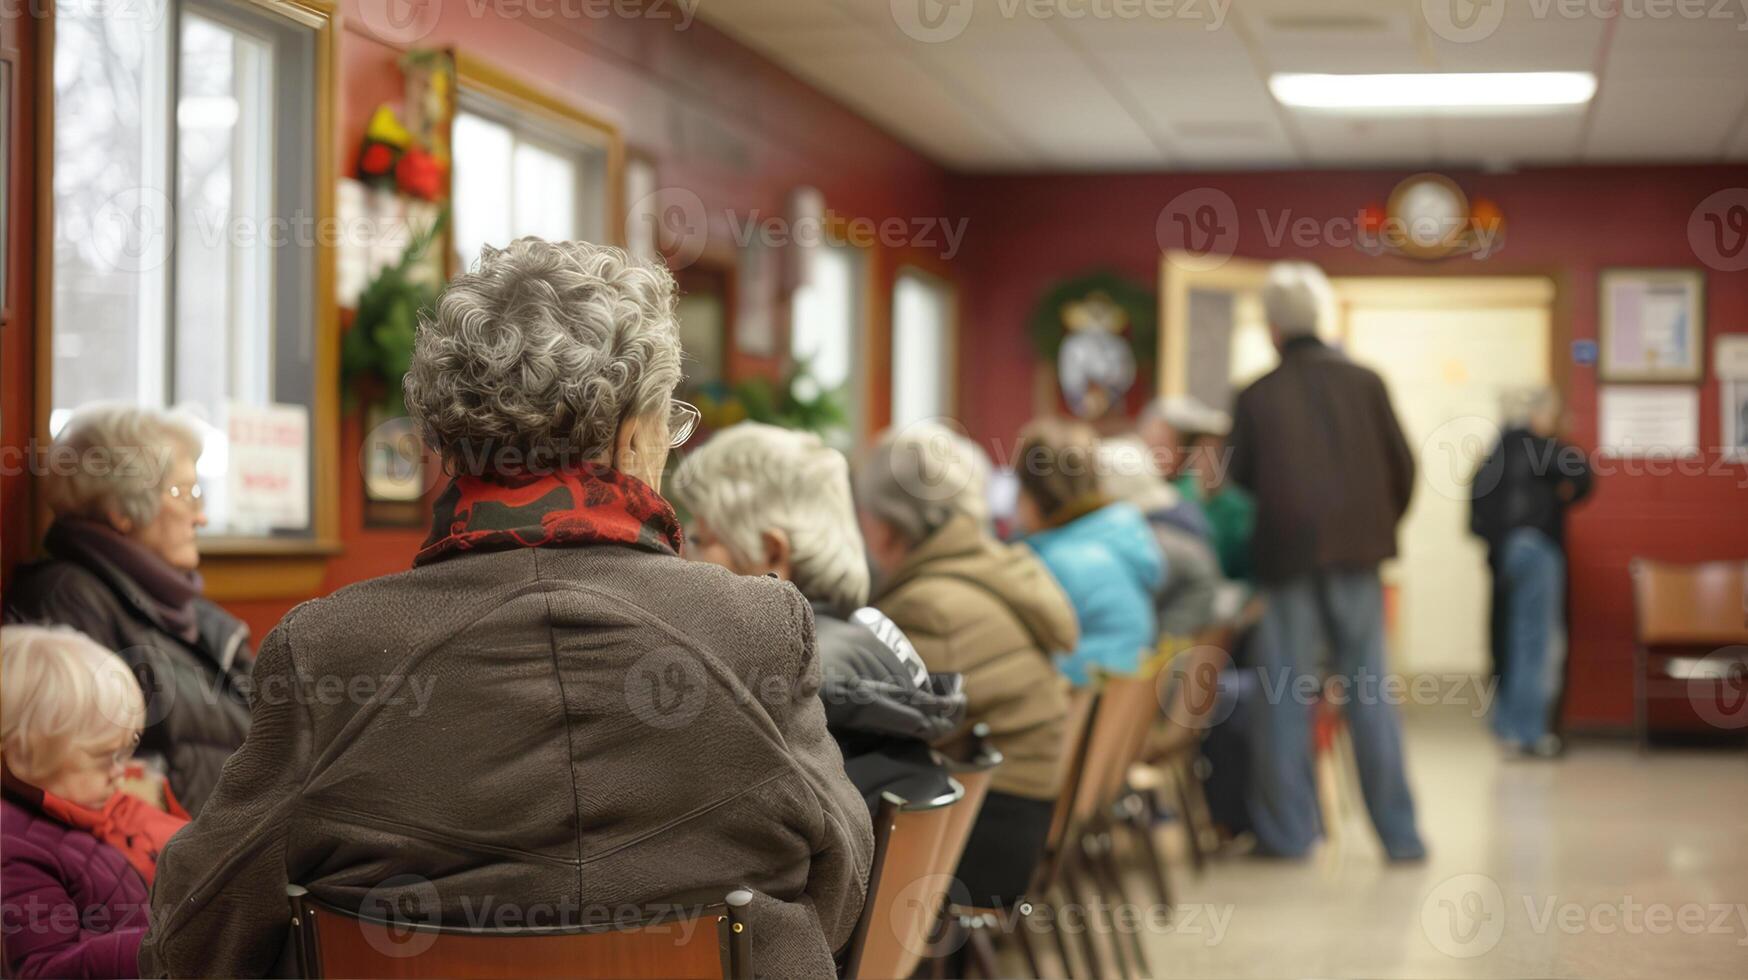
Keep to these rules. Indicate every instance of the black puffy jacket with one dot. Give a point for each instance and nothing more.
(197, 710)
(883, 706)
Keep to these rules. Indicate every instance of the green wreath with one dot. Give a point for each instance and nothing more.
(1135, 300)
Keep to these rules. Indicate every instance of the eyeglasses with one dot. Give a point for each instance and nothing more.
(191, 493)
(118, 757)
(683, 418)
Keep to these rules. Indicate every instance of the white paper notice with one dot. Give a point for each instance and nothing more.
(1730, 360)
(1642, 420)
(268, 472)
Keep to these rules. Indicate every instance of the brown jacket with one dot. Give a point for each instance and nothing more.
(974, 606)
(1318, 444)
(528, 737)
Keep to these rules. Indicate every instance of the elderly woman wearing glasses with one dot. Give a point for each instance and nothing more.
(121, 563)
(552, 718)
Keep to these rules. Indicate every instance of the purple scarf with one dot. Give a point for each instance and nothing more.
(171, 590)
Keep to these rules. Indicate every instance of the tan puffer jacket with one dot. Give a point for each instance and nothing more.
(974, 606)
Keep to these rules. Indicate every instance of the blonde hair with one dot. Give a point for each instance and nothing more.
(60, 691)
(752, 478)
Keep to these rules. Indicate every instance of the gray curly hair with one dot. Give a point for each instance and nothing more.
(538, 353)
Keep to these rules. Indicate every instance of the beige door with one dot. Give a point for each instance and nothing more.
(1448, 349)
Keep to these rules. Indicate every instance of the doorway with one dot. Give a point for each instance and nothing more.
(1448, 349)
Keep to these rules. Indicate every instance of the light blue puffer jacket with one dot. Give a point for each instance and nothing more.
(1110, 566)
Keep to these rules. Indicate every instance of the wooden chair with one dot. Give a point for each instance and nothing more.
(1115, 742)
(1046, 874)
(974, 772)
(1684, 611)
(912, 845)
(332, 942)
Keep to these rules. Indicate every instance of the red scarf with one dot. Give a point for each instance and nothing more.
(127, 823)
(589, 504)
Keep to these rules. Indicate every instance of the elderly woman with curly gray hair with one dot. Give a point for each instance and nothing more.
(598, 727)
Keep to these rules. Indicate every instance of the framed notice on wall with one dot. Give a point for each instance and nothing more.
(1653, 324)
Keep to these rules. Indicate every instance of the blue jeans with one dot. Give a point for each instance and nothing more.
(1533, 575)
(1343, 612)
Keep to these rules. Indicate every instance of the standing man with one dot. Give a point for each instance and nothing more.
(1520, 496)
(1317, 443)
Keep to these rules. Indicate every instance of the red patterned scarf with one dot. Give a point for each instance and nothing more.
(588, 504)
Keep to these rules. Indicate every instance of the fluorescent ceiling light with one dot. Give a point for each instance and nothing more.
(1462, 92)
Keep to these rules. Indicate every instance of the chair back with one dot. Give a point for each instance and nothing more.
(1192, 693)
(332, 942)
(912, 842)
(1081, 705)
(1703, 604)
(1127, 707)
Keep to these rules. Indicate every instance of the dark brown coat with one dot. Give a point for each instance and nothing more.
(581, 728)
(1316, 441)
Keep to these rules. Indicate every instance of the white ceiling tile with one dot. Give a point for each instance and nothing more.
(899, 96)
(1661, 119)
(1345, 141)
(1539, 138)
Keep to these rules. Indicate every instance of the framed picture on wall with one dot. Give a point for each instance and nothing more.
(1733, 398)
(1652, 325)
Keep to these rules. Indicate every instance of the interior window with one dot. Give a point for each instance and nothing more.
(515, 176)
(826, 330)
(922, 347)
(184, 217)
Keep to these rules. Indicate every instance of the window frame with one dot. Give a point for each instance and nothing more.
(236, 567)
(485, 81)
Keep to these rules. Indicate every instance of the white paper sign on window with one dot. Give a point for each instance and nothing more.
(268, 473)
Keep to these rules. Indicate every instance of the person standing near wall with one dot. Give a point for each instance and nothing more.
(1317, 442)
(1519, 499)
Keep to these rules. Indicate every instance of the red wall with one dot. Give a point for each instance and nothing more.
(1027, 232)
(18, 38)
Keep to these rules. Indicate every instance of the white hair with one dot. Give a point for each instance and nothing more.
(60, 691)
(752, 478)
(1520, 406)
(1187, 415)
(1128, 471)
(113, 458)
(1295, 297)
(541, 351)
(920, 477)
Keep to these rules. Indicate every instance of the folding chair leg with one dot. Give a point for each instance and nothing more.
(1077, 896)
(1114, 877)
(1142, 827)
(1189, 795)
(1023, 933)
(1090, 847)
(983, 954)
